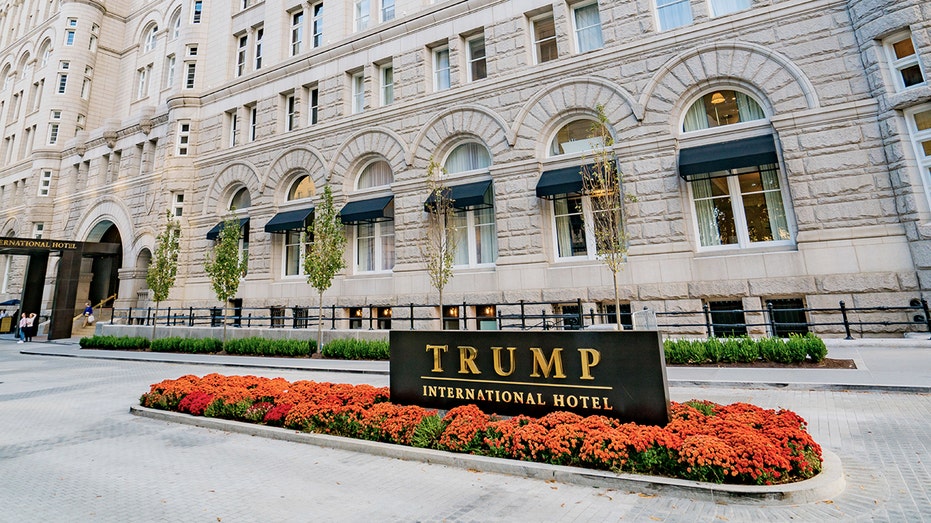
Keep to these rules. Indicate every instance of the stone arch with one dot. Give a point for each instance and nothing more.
(360, 148)
(557, 103)
(106, 209)
(781, 82)
(464, 120)
(238, 173)
(281, 173)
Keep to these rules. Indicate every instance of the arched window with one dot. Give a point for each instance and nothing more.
(302, 188)
(45, 51)
(7, 79)
(151, 38)
(175, 25)
(467, 157)
(375, 174)
(722, 107)
(240, 200)
(575, 137)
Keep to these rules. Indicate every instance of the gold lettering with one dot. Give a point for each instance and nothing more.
(572, 401)
(506, 396)
(606, 407)
(437, 365)
(584, 402)
(530, 400)
(559, 400)
(590, 358)
(540, 363)
(518, 397)
(540, 399)
(596, 403)
(467, 357)
(496, 351)
(459, 393)
(470, 394)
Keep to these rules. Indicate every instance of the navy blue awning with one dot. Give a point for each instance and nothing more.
(289, 220)
(698, 162)
(560, 181)
(466, 196)
(365, 210)
(214, 233)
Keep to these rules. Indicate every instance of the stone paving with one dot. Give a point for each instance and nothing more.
(71, 451)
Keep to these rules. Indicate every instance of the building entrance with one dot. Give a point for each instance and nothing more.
(65, 292)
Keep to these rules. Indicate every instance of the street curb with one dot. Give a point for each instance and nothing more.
(826, 485)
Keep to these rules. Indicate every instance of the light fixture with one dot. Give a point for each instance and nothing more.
(717, 98)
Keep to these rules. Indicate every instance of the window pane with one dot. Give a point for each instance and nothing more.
(912, 76)
(375, 174)
(723, 7)
(903, 48)
(673, 13)
(303, 188)
(365, 246)
(923, 120)
(292, 253)
(486, 244)
(724, 107)
(575, 137)
(570, 227)
(466, 157)
(926, 147)
(545, 36)
(588, 27)
(387, 245)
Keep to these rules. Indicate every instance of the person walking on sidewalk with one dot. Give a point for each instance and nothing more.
(88, 314)
(31, 326)
(23, 322)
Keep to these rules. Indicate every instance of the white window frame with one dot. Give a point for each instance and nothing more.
(290, 112)
(242, 51)
(54, 127)
(297, 32)
(151, 39)
(62, 83)
(468, 237)
(45, 182)
(171, 62)
(142, 82)
(586, 213)
(298, 239)
(361, 14)
(184, 138)
(177, 204)
(313, 105)
(253, 112)
(257, 48)
(471, 59)
(380, 233)
(577, 31)
(233, 126)
(386, 81)
(386, 10)
(190, 73)
(316, 24)
(38, 228)
(357, 85)
(69, 37)
(536, 43)
(667, 4)
(920, 137)
(197, 11)
(897, 65)
(441, 73)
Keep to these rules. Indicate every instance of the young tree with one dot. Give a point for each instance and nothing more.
(601, 181)
(226, 266)
(324, 257)
(439, 246)
(164, 267)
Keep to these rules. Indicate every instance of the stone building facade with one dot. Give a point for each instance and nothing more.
(773, 150)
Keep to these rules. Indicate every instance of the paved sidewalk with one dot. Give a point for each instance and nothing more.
(71, 451)
(893, 364)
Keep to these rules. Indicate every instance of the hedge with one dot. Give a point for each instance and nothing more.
(795, 349)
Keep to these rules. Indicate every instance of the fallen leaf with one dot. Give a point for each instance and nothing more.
(642, 495)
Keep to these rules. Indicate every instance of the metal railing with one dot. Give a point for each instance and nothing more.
(528, 315)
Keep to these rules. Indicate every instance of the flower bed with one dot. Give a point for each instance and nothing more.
(738, 443)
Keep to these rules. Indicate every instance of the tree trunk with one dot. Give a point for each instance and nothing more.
(224, 323)
(319, 322)
(617, 303)
(442, 313)
(154, 321)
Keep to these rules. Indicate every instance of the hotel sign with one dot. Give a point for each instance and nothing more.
(52, 245)
(617, 374)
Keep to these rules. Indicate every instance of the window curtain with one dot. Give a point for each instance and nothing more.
(442, 69)
(563, 228)
(375, 175)
(459, 223)
(588, 27)
(467, 157)
(486, 248)
(696, 118)
(365, 246)
(673, 13)
(747, 108)
(723, 7)
(774, 206)
(387, 245)
(705, 213)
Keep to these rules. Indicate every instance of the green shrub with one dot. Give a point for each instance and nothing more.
(771, 348)
(200, 345)
(428, 432)
(816, 348)
(796, 349)
(745, 350)
(353, 349)
(114, 342)
(715, 350)
(171, 344)
(269, 347)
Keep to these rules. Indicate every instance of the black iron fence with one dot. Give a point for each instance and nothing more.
(709, 321)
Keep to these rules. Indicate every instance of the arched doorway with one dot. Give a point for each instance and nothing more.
(104, 270)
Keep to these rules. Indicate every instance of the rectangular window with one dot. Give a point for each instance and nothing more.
(296, 244)
(184, 138)
(673, 13)
(62, 83)
(919, 126)
(233, 126)
(727, 318)
(177, 201)
(475, 56)
(170, 71)
(297, 32)
(587, 22)
(314, 101)
(387, 84)
(358, 92)
(197, 12)
(259, 33)
(290, 112)
(241, 54)
(572, 237)
(476, 236)
(387, 10)
(317, 24)
(375, 246)
(441, 79)
(788, 317)
(54, 127)
(142, 82)
(191, 69)
(740, 208)
(544, 39)
(86, 89)
(724, 7)
(253, 122)
(69, 37)
(361, 14)
(37, 229)
(903, 59)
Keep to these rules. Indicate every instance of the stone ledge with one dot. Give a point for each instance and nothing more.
(829, 483)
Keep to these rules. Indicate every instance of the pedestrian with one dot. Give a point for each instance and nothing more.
(31, 327)
(23, 321)
(88, 314)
